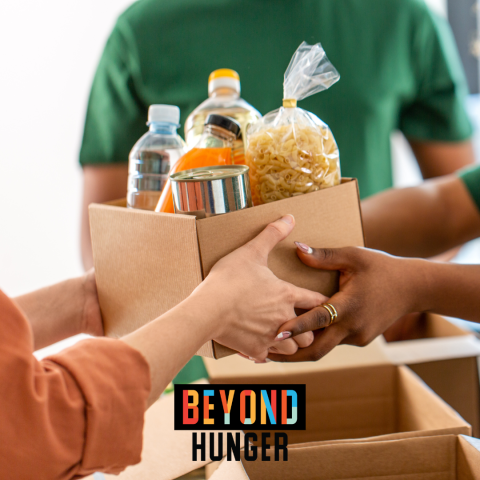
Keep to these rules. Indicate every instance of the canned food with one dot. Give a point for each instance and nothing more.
(209, 191)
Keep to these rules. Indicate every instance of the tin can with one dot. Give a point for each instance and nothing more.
(209, 191)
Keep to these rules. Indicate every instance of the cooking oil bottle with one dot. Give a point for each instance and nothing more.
(223, 99)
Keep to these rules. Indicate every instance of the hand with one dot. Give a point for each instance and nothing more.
(375, 290)
(247, 302)
(91, 320)
(62, 310)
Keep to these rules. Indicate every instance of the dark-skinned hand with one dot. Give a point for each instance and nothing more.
(375, 290)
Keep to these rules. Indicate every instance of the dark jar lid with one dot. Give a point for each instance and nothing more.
(224, 122)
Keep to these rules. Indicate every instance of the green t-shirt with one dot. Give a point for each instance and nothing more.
(398, 64)
(471, 178)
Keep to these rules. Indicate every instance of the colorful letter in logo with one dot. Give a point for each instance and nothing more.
(293, 394)
(227, 404)
(269, 407)
(253, 411)
(207, 406)
(190, 406)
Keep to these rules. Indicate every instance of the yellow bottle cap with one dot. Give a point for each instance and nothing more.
(224, 78)
(223, 72)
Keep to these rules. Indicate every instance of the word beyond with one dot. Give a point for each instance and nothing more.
(236, 407)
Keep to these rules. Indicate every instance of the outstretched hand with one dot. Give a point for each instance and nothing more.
(250, 301)
(375, 290)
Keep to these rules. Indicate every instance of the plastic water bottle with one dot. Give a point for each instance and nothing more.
(152, 157)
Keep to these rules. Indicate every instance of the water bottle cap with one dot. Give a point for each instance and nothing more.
(164, 113)
(224, 77)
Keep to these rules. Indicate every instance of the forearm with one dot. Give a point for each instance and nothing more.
(421, 221)
(402, 222)
(436, 159)
(168, 342)
(449, 289)
(54, 312)
(101, 183)
(63, 310)
(85, 241)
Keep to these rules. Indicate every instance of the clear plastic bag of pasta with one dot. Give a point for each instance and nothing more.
(291, 151)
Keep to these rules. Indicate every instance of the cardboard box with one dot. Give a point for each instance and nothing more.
(147, 262)
(448, 457)
(371, 403)
(446, 357)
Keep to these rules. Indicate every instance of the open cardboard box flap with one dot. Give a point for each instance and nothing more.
(147, 262)
(447, 358)
(437, 339)
(447, 457)
(360, 402)
(363, 404)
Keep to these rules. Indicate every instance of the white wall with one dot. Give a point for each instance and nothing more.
(48, 54)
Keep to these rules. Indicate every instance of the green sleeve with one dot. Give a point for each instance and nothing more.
(438, 110)
(116, 116)
(471, 178)
(194, 370)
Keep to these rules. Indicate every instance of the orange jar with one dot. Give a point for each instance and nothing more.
(213, 149)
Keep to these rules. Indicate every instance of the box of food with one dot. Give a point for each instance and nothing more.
(448, 457)
(376, 403)
(446, 357)
(148, 262)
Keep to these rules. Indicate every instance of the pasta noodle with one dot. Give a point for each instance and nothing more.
(290, 160)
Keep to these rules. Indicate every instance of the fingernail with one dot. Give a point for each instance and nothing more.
(251, 358)
(288, 219)
(283, 336)
(263, 361)
(268, 360)
(304, 248)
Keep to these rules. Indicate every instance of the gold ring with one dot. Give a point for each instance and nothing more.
(332, 311)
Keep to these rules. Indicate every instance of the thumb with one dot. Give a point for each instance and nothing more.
(326, 258)
(272, 234)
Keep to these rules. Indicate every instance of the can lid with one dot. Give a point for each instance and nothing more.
(209, 173)
(223, 77)
(164, 113)
(225, 122)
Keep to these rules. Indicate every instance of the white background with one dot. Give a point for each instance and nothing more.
(48, 54)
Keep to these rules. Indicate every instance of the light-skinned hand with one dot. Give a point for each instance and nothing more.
(250, 301)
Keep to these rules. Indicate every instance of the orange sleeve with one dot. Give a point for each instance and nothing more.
(72, 414)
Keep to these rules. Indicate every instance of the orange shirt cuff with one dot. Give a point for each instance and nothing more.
(114, 379)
